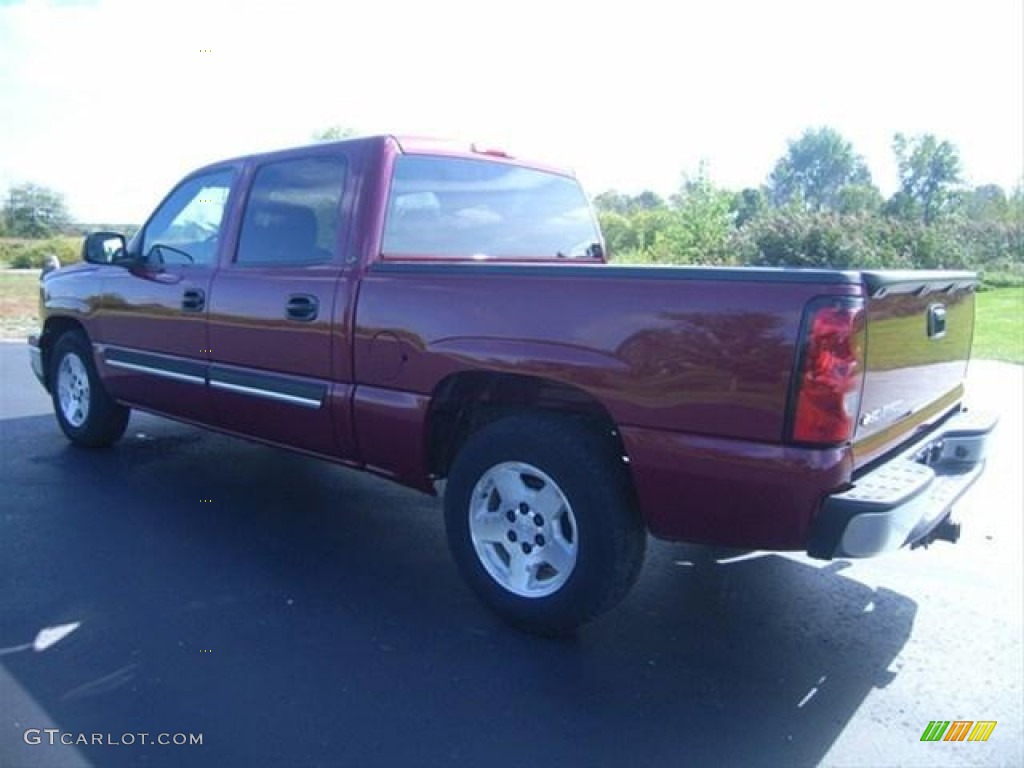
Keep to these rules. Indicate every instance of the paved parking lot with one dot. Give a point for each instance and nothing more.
(297, 614)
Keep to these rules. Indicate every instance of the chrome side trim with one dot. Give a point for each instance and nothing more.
(155, 371)
(305, 402)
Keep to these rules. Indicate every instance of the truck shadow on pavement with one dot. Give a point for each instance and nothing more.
(297, 614)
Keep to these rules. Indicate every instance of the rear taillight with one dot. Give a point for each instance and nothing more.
(830, 374)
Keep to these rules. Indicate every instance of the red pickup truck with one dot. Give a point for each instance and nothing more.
(432, 312)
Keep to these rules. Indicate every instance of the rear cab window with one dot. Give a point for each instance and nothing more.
(458, 208)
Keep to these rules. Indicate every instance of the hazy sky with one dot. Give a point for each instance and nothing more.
(112, 101)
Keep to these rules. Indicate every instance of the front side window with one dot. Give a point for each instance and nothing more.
(466, 208)
(187, 227)
(292, 215)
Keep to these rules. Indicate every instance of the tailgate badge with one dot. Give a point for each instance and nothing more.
(936, 321)
(887, 412)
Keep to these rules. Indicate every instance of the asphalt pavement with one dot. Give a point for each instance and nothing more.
(292, 613)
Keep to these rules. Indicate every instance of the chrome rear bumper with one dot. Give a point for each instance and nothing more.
(907, 500)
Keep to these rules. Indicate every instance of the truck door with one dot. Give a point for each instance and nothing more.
(152, 325)
(280, 366)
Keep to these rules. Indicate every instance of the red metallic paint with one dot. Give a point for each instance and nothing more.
(695, 357)
(142, 309)
(389, 425)
(731, 492)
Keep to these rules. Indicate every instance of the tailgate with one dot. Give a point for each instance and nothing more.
(919, 331)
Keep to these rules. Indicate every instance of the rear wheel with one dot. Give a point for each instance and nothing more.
(86, 413)
(541, 522)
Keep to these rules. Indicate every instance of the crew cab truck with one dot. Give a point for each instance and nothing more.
(430, 311)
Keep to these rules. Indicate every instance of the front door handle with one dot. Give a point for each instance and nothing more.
(302, 307)
(193, 300)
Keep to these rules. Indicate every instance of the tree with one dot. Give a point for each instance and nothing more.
(698, 226)
(645, 201)
(929, 176)
(334, 133)
(815, 170)
(1015, 208)
(987, 203)
(860, 198)
(619, 235)
(32, 210)
(648, 226)
(747, 205)
(612, 201)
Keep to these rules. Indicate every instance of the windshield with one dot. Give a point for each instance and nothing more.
(449, 207)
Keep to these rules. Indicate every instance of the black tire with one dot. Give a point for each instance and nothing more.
(91, 419)
(598, 515)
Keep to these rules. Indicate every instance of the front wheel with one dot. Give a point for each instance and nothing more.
(541, 522)
(86, 413)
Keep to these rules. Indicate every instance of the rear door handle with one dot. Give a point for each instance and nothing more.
(302, 307)
(193, 300)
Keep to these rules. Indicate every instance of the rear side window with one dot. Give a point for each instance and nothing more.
(446, 207)
(292, 214)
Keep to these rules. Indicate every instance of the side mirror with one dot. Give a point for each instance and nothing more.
(50, 263)
(104, 248)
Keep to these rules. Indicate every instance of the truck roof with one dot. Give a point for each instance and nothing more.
(403, 144)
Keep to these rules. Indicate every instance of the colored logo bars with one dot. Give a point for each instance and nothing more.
(958, 730)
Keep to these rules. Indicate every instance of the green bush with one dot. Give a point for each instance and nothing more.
(1005, 275)
(791, 237)
(703, 224)
(30, 254)
(631, 256)
(796, 238)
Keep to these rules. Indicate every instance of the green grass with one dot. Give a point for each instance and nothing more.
(999, 325)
